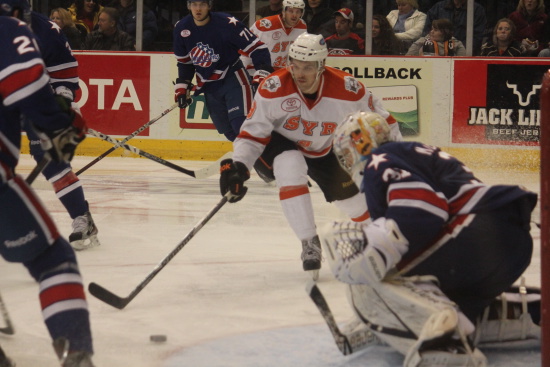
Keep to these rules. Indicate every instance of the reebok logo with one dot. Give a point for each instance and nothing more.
(21, 240)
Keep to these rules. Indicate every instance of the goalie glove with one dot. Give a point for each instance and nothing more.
(61, 144)
(232, 178)
(361, 254)
(182, 93)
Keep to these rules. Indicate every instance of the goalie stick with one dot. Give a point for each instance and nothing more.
(120, 143)
(8, 329)
(205, 172)
(121, 302)
(346, 343)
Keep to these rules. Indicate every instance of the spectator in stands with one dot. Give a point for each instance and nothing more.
(384, 41)
(503, 42)
(273, 8)
(127, 11)
(529, 19)
(318, 17)
(344, 41)
(546, 40)
(108, 37)
(407, 22)
(439, 42)
(63, 19)
(455, 11)
(85, 13)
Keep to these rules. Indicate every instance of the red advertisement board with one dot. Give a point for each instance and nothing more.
(497, 102)
(114, 96)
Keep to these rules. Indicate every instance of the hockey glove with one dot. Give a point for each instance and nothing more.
(232, 178)
(361, 254)
(61, 144)
(182, 93)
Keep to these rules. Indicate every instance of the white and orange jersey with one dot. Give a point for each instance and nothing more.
(280, 106)
(273, 33)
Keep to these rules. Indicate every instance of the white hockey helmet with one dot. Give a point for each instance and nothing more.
(309, 47)
(356, 137)
(299, 4)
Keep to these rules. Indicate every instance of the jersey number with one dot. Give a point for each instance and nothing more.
(25, 44)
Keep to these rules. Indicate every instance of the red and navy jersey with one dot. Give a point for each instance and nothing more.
(210, 50)
(56, 52)
(423, 188)
(24, 89)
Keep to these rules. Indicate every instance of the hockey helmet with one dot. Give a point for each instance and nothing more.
(209, 2)
(309, 47)
(8, 7)
(299, 4)
(356, 137)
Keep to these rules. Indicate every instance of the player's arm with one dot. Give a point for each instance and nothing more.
(251, 46)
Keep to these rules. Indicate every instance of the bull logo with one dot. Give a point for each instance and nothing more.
(514, 88)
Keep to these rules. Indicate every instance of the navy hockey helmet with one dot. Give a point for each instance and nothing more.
(209, 2)
(8, 8)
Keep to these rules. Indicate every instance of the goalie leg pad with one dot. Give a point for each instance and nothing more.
(411, 313)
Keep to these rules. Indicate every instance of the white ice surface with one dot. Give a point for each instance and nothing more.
(234, 295)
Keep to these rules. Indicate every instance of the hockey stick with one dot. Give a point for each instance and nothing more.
(37, 169)
(201, 173)
(120, 143)
(346, 343)
(8, 329)
(121, 302)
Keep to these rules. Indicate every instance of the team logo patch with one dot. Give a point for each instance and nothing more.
(291, 104)
(276, 35)
(185, 33)
(252, 110)
(351, 84)
(203, 55)
(265, 23)
(272, 84)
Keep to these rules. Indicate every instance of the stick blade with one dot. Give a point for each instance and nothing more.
(212, 169)
(107, 296)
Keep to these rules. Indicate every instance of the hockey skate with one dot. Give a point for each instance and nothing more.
(84, 234)
(69, 358)
(311, 256)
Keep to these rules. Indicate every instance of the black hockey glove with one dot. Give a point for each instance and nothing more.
(232, 178)
(61, 144)
(182, 93)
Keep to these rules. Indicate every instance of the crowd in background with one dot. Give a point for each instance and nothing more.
(506, 28)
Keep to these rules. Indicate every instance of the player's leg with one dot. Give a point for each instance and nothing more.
(338, 187)
(68, 189)
(29, 236)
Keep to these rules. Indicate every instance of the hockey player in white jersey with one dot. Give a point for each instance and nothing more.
(289, 129)
(278, 32)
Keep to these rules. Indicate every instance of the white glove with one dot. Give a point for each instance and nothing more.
(395, 134)
(360, 254)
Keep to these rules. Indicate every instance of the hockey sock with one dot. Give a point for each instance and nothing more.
(298, 210)
(68, 189)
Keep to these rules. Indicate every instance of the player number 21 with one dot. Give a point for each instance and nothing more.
(25, 44)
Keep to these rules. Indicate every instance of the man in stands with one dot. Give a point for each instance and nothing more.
(344, 41)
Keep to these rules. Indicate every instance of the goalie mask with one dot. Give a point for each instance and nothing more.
(356, 137)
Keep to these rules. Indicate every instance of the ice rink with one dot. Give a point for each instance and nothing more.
(233, 296)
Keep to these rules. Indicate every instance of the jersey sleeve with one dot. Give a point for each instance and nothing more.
(250, 45)
(60, 62)
(24, 83)
(186, 69)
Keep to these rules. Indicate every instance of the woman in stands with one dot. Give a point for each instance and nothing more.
(384, 41)
(439, 42)
(529, 19)
(503, 42)
(63, 19)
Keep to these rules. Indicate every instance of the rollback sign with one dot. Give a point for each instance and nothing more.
(511, 112)
(114, 95)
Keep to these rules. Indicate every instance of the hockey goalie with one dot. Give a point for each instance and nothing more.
(433, 275)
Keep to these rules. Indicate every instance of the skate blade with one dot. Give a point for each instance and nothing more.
(88, 243)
